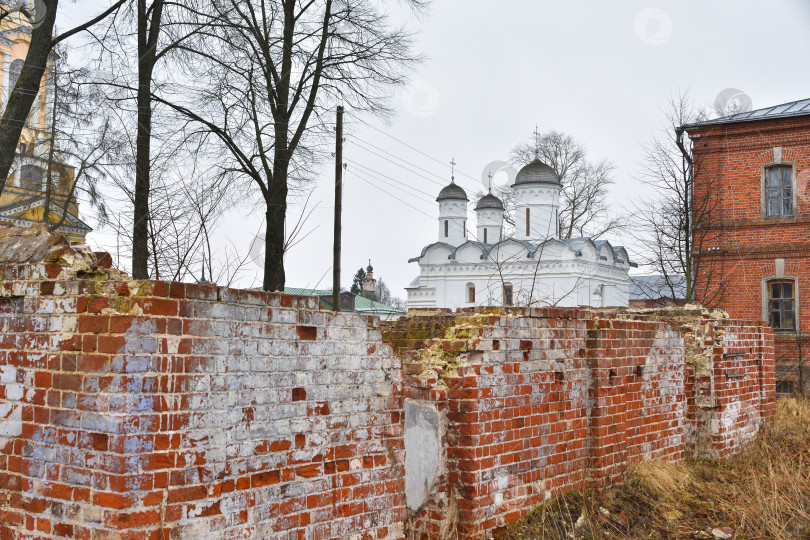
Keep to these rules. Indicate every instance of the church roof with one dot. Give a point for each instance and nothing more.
(573, 244)
(489, 201)
(785, 110)
(452, 191)
(14, 213)
(536, 172)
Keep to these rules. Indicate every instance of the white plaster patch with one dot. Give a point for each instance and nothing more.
(730, 415)
(173, 344)
(422, 452)
(10, 408)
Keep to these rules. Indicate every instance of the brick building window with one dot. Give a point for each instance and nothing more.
(779, 191)
(508, 297)
(782, 305)
(784, 388)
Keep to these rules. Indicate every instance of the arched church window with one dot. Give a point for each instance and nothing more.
(485, 235)
(14, 71)
(470, 293)
(446, 228)
(31, 177)
(528, 222)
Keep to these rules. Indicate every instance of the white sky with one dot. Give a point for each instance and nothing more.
(599, 70)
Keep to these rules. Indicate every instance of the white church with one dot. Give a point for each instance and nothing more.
(529, 268)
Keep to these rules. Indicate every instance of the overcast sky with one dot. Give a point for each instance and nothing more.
(600, 71)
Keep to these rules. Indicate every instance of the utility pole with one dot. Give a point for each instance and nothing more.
(338, 210)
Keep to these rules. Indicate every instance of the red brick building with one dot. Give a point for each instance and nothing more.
(756, 165)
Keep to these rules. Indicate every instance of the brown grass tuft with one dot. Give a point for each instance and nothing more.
(764, 493)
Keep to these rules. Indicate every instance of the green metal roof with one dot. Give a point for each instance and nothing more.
(361, 303)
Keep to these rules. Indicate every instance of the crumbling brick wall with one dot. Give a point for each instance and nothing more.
(144, 409)
(534, 403)
(141, 409)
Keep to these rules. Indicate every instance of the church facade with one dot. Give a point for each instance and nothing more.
(530, 267)
(23, 199)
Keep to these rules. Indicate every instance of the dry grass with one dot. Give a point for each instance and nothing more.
(764, 493)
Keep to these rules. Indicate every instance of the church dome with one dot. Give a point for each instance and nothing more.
(536, 172)
(452, 192)
(489, 201)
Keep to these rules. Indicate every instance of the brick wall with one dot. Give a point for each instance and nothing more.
(743, 246)
(134, 409)
(142, 409)
(539, 402)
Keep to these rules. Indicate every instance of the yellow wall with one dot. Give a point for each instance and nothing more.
(36, 129)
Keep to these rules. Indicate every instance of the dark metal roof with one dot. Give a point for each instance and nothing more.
(785, 110)
(656, 287)
(536, 172)
(489, 201)
(452, 192)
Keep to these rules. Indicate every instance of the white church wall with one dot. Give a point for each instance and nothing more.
(560, 273)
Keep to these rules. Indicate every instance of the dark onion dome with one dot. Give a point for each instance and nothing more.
(369, 268)
(452, 192)
(489, 201)
(536, 172)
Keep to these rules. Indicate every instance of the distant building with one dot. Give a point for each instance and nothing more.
(351, 303)
(758, 166)
(529, 267)
(654, 291)
(22, 202)
(369, 284)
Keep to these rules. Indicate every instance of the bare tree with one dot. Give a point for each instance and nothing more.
(273, 73)
(79, 139)
(187, 197)
(674, 234)
(802, 349)
(585, 210)
(40, 23)
(138, 50)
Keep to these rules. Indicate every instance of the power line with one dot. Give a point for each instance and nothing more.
(372, 184)
(400, 159)
(414, 148)
(403, 166)
(372, 171)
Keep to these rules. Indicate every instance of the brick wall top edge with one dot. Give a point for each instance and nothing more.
(31, 257)
(663, 313)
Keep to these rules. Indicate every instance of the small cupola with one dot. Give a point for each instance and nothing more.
(537, 200)
(452, 201)
(489, 213)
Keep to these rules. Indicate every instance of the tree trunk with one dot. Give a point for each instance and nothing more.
(140, 232)
(148, 32)
(274, 277)
(22, 96)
